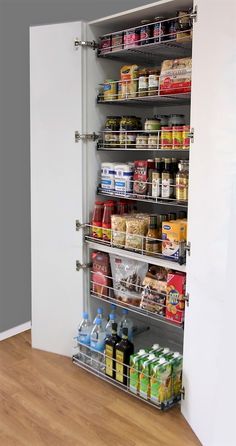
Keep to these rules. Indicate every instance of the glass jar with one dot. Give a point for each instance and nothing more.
(146, 32)
(153, 81)
(153, 140)
(143, 82)
(111, 133)
(152, 124)
(142, 141)
(128, 125)
(96, 228)
(182, 181)
(176, 120)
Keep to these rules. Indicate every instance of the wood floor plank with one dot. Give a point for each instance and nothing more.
(45, 400)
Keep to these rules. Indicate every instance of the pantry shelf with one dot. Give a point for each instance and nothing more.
(144, 199)
(160, 100)
(134, 149)
(159, 261)
(100, 374)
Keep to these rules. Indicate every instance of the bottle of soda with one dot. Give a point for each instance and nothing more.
(110, 351)
(124, 349)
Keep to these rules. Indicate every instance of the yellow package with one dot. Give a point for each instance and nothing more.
(185, 223)
(129, 81)
(173, 233)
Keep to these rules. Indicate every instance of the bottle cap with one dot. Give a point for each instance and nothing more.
(176, 355)
(155, 346)
(114, 326)
(112, 316)
(166, 350)
(98, 321)
(162, 361)
(141, 351)
(125, 311)
(99, 310)
(151, 356)
(125, 331)
(85, 315)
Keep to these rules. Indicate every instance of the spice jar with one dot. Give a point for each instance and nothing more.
(109, 90)
(153, 81)
(146, 32)
(153, 140)
(111, 133)
(182, 181)
(141, 141)
(143, 82)
(152, 124)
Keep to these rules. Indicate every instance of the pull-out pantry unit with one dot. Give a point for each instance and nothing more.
(75, 86)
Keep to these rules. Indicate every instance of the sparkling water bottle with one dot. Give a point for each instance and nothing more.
(83, 338)
(100, 316)
(97, 344)
(126, 322)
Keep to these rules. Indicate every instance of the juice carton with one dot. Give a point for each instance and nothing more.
(144, 379)
(173, 233)
(156, 350)
(174, 299)
(135, 367)
(177, 364)
(160, 382)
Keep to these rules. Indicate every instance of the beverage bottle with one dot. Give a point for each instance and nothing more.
(83, 338)
(114, 311)
(124, 349)
(126, 322)
(96, 228)
(167, 180)
(110, 351)
(97, 343)
(152, 244)
(106, 221)
(108, 328)
(100, 316)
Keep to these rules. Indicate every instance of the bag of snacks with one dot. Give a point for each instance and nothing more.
(175, 76)
(154, 292)
(136, 230)
(118, 226)
(128, 276)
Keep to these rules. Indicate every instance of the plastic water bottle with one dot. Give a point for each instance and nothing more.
(108, 329)
(97, 345)
(100, 316)
(114, 311)
(83, 338)
(126, 322)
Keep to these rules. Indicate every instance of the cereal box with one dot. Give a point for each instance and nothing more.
(173, 232)
(174, 299)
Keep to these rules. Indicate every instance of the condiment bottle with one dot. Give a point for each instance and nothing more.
(156, 178)
(153, 81)
(122, 207)
(143, 82)
(110, 351)
(124, 349)
(97, 219)
(152, 235)
(167, 180)
(182, 181)
(106, 221)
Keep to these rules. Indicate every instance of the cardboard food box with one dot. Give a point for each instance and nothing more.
(100, 274)
(173, 233)
(174, 300)
(176, 75)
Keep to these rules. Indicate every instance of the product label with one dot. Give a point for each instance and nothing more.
(109, 360)
(107, 184)
(167, 189)
(134, 379)
(153, 81)
(96, 232)
(84, 338)
(97, 343)
(156, 186)
(106, 234)
(143, 83)
(119, 366)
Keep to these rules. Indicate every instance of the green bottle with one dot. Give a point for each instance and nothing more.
(110, 351)
(124, 349)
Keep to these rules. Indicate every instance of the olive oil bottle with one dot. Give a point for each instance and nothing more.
(110, 351)
(124, 349)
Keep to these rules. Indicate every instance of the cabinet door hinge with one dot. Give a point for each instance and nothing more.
(182, 392)
(82, 266)
(188, 248)
(186, 299)
(85, 43)
(79, 225)
(193, 15)
(191, 135)
(85, 136)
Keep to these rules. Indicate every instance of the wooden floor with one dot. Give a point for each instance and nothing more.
(46, 400)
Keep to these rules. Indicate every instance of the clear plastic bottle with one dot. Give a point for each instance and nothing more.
(83, 338)
(112, 319)
(97, 344)
(126, 322)
(114, 311)
(100, 316)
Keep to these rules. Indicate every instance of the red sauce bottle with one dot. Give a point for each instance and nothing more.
(96, 229)
(106, 221)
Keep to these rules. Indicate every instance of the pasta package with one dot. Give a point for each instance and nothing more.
(176, 76)
(136, 230)
(154, 291)
(118, 227)
(129, 81)
(128, 276)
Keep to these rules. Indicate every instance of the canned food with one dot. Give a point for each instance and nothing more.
(153, 141)
(160, 29)
(166, 137)
(109, 90)
(141, 141)
(111, 136)
(146, 32)
(177, 137)
(117, 41)
(186, 138)
(105, 44)
(131, 38)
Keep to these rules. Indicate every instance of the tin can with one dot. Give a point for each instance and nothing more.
(131, 38)
(146, 32)
(186, 138)
(117, 41)
(177, 137)
(153, 141)
(109, 90)
(166, 138)
(160, 30)
(105, 44)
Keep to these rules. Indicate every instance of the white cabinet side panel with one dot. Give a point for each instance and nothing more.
(210, 329)
(56, 185)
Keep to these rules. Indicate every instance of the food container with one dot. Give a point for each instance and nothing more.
(128, 125)
(146, 32)
(160, 29)
(107, 176)
(143, 82)
(131, 38)
(177, 137)
(111, 135)
(153, 81)
(123, 178)
(175, 77)
(186, 138)
(141, 141)
(118, 226)
(109, 90)
(152, 124)
(153, 140)
(136, 230)
(176, 120)
(117, 40)
(105, 44)
(129, 79)
(166, 138)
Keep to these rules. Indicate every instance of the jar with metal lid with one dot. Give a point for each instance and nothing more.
(111, 133)
(176, 120)
(128, 125)
(146, 32)
(153, 141)
(152, 124)
(153, 81)
(182, 181)
(142, 141)
(143, 82)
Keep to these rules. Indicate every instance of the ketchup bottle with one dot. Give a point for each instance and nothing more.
(106, 221)
(97, 219)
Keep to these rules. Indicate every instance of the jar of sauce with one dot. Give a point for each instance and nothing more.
(152, 124)
(97, 218)
(128, 125)
(106, 221)
(141, 141)
(111, 135)
(143, 82)
(153, 81)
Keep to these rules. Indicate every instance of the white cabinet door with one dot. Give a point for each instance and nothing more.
(56, 184)
(209, 338)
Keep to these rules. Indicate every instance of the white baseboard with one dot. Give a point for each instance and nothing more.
(15, 330)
